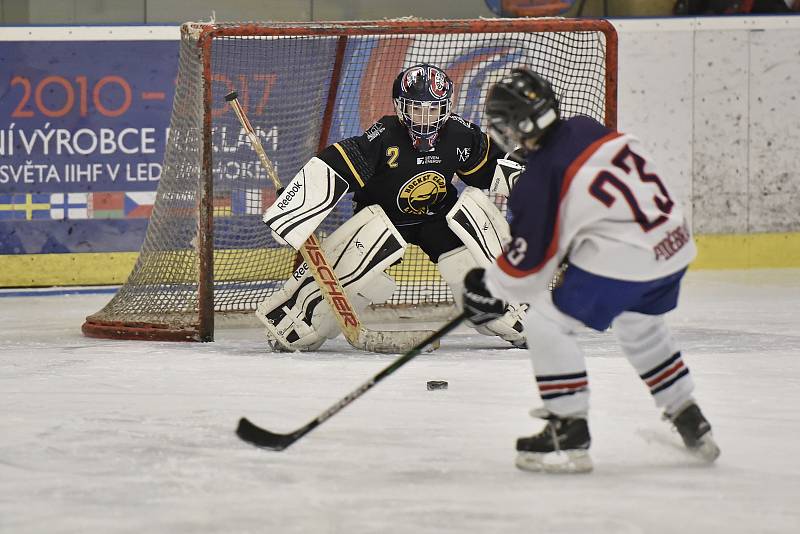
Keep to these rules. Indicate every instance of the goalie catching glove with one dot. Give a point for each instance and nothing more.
(480, 306)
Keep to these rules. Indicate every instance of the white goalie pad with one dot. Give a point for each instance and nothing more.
(480, 226)
(297, 317)
(453, 266)
(305, 202)
(506, 174)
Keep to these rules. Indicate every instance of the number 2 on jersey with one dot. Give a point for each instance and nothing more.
(622, 160)
(392, 152)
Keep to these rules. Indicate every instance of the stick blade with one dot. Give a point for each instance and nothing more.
(259, 437)
(392, 342)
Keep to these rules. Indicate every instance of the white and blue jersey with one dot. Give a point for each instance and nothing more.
(591, 197)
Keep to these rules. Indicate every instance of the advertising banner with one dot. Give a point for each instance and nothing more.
(82, 139)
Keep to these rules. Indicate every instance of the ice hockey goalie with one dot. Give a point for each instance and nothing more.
(400, 172)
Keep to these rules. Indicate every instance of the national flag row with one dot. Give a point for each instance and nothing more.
(59, 206)
(119, 205)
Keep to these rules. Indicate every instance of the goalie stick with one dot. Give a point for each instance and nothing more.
(260, 437)
(354, 331)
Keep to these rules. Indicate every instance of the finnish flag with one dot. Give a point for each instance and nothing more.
(69, 206)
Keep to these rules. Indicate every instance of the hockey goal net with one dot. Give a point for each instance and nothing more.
(304, 86)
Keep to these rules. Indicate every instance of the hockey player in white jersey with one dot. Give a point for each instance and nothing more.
(592, 221)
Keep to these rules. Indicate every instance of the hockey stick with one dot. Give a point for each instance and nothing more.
(354, 331)
(260, 437)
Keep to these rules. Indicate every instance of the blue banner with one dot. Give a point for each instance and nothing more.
(81, 142)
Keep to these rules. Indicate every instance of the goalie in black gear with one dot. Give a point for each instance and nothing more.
(401, 169)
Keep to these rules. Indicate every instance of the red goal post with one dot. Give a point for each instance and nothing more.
(305, 85)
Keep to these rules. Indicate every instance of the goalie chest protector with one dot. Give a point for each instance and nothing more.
(384, 168)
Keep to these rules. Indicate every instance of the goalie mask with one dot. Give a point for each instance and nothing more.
(521, 108)
(422, 99)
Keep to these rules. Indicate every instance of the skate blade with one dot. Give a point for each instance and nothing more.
(708, 450)
(576, 461)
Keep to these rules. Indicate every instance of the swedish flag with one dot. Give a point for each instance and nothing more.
(25, 206)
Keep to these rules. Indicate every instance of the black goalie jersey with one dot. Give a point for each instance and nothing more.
(412, 187)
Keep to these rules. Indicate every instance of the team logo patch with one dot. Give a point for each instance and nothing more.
(426, 160)
(463, 153)
(375, 130)
(438, 84)
(421, 192)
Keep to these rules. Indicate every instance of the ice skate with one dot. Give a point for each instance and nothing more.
(695, 430)
(561, 447)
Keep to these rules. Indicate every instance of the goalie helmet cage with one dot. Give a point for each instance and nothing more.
(303, 86)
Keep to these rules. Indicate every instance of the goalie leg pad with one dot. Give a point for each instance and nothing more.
(453, 266)
(297, 317)
(288, 328)
(480, 226)
(305, 202)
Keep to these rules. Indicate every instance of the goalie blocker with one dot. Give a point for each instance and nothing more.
(298, 318)
(305, 202)
(483, 230)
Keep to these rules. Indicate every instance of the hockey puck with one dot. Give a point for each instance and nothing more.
(436, 384)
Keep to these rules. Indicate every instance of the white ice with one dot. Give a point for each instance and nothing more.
(133, 437)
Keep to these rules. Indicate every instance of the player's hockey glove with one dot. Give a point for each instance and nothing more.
(480, 306)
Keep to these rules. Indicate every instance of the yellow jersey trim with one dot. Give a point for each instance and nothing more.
(349, 164)
(483, 161)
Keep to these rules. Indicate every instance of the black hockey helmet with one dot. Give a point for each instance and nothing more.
(423, 97)
(521, 108)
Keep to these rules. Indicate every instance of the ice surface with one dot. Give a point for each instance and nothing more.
(133, 437)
